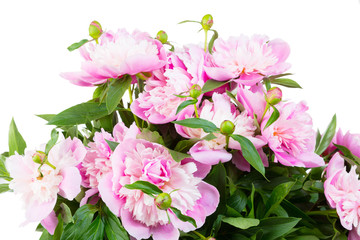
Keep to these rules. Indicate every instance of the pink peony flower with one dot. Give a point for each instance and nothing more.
(158, 103)
(138, 159)
(40, 184)
(342, 190)
(253, 100)
(349, 140)
(247, 60)
(118, 54)
(291, 137)
(212, 152)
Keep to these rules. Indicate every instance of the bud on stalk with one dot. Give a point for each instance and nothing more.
(163, 201)
(95, 30)
(162, 37)
(274, 96)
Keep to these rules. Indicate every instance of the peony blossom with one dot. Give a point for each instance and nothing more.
(158, 103)
(212, 152)
(138, 159)
(292, 137)
(349, 140)
(40, 184)
(253, 100)
(247, 60)
(342, 190)
(117, 54)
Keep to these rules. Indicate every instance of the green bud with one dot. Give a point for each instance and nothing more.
(39, 157)
(207, 22)
(227, 128)
(162, 36)
(274, 95)
(144, 75)
(163, 201)
(195, 91)
(95, 30)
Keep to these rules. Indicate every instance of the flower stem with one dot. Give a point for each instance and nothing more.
(227, 138)
(206, 36)
(131, 100)
(50, 165)
(199, 235)
(266, 109)
(325, 212)
(196, 111)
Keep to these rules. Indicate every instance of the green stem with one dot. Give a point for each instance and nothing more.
(325, 212)
(199, 235)
(266, 109)
(50, 165)
(131, 100)
(227, 138)
(196, 111)
(206, 35)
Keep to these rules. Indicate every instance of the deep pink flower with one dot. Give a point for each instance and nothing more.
(118, 54)
(138, 159)
(292, 137)
(247, 60)
(39, 186)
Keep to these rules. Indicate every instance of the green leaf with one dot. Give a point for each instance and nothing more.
(95, 230)
(274, 116)
(327, 137)
(240, 222)
(116, 90)
(187, 21)
(237, 200)
(182, 217)
(294, 211)
(206, 125)
(185, 145)
(252, 196)
(347, 153)
(52, 141)
(45, 235)
(46, 117)
(209, 137)
(238, 104)
(178, 156)
(145, 187)
(212, 40)
(277, 196)
(4, 187)
(250, 153)
(66, 213)
(267, 84)
(79, 114)
(151, 136)
(286, 82)
(59, 228)
(3, 171)
(112, 144)
(82, 220)
(216, 225)
(314, 186)
(113, 228)
(16, 141)
(211, 85)
(318, 138)
(185, 104)
(75, 46)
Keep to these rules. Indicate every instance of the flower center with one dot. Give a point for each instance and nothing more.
(156, 171)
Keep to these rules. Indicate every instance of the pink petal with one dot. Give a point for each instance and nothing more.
(89, 193)
(36, 212)
(165, 232)
(133, 227)
(209, 156)
(70, 185)
(202, 169)
(50, 222)
(108, 196)
(219, 74)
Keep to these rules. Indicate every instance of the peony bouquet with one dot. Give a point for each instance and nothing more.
(204, 147)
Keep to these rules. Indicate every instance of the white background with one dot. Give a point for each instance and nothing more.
(323, 35)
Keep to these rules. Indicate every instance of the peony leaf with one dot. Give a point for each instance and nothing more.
(75, 46)
(347, 153)
(327, 137)
(212, 84)
(206, 125)
(182, 217)
(52, 141)
(274, 116)
(116, 91)
(286, 82)
(145, 187)
(277, 196)
(185, 104)
(178, 156)
(4, 187)
(212, 40)
(150, 136)
(250, 153)
(3, 171)
(113, 228)
(46, 117)
(112, 144)
(16, 141)
(240, 222)
(95, 230)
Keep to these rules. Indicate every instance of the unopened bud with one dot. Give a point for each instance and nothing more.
(39, 157)
(163, 201)
(274, 96)
(162, 36)
(227, 128)
(144, 75)
(95, 30)
(207, 22)
(210, 238)
(195, 91)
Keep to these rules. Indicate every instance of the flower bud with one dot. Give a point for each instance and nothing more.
(274, 95)
(162, 36)
(210, 238)
(163, 201)
(207, 22)
(227, 127)
(195, 91)
(39, 157)
(95, 30)
(144, 75)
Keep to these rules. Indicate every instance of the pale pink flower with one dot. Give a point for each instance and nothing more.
(212, 152)
(118, 54)
(158, 103)
(97, 160)
(292, 137)
(252, 99)
(350, 140)
(39, 186)
(138, 159)
(342, 190)
(247, 60)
